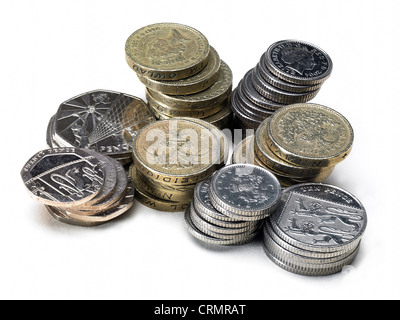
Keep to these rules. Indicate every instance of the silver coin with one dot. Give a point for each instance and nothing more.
(49, 132)
(55, 142)
(253, 95)
(220, 229)
(113, 199)
(110, 179)
(268, 232)
(209, 239)
(63, 176)
(202, 201)
(245, 190)
(278, 82)
(300, 261)
(319, 217)
(221, 233)
(298, 62)
(226, 224)
(310, 269)
(124, 205)
(239, 114)
(249, 105)
(278, 95)
(98, 120)
(239, 217)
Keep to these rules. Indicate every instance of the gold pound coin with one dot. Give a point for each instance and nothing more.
(151, 201)
(167, 51)
(166, 192)
(167, 111)
(244, 152)
(176, 152)
(196, 83)
(212, 96)
(272, 158)
(222, 140)
(308, 135)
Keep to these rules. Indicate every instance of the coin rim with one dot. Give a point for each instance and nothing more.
(180, 73)
(295, 79)
(319, 248)
(290, 154)
(240, 211)
(193, 84)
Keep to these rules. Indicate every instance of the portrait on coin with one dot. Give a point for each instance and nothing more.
(298, 59)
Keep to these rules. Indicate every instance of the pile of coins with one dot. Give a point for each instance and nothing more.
(171, 156)
(230, 207)
(299, 143)
(102, 120)
(316, 229)
(184, 76)
(289, 72)
(79, 186)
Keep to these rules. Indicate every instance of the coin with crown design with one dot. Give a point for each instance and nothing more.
(316, 229)
(78, 186)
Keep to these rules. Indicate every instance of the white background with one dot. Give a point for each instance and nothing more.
(54, 50)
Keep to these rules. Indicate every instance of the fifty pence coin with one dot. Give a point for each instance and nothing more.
(98, 120)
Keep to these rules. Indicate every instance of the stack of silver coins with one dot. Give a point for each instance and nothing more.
(103, 120)
(184, 76)
(230, 207)
(289, 72)
(316, 229)
(79, 186)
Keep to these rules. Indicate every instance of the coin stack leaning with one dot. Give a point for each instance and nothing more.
(316, 229)
(289, 72)
(299, 143)
(79, 186)
(102, 120)
(184, 76)
(170, 157)
(230, 207)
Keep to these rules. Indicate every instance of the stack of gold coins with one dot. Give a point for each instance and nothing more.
(170, 157)
(299, 143)
(184, 76)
